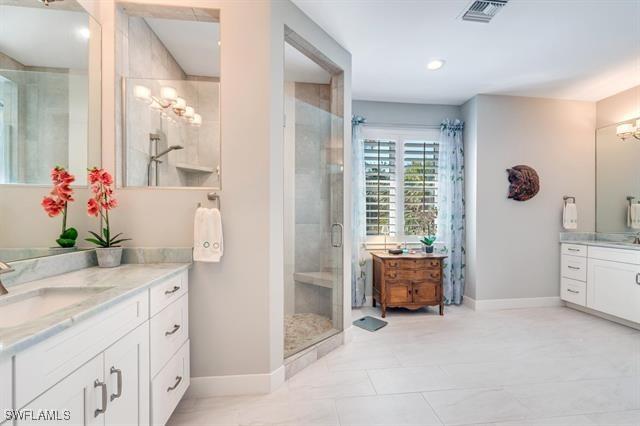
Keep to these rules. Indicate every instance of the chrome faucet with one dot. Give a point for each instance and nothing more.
(636, 239)
(4, 268)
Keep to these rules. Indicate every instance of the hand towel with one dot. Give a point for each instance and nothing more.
(207, 235)
(634, 216)
(570, 216)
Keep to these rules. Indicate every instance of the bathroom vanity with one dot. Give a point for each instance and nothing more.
(114, 350)
(603, 277)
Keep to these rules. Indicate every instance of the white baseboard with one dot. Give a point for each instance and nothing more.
(496, 304)
(244, 384)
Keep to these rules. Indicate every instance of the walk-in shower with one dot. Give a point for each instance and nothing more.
(313, 143)
(154, 159)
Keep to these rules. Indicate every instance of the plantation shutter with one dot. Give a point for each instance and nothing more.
(420, 184)
(380, 183)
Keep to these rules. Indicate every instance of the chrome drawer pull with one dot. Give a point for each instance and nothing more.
(573, 291)
(175, 288)
(573, 249)
(575, 268)
(99, 384)
(177, 383)
(118, 393)
(176, 327)
(638, 278)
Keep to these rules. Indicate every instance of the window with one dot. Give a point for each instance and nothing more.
(401, 179)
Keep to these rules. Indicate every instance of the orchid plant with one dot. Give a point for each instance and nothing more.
(58, 203)
(100, 204)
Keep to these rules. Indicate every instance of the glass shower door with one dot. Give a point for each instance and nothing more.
(314, 233)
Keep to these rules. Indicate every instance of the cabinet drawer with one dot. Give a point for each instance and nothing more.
(168, 332)
(574, 267)
(166, 292)
(574, 250)
(413, 274)
(615, 255)
(573, 291)
(168, 387)
(43, 365)
(425, 263)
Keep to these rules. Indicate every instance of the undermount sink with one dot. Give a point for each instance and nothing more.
(29, 306)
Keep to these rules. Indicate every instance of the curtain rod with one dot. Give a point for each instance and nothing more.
(404, 125)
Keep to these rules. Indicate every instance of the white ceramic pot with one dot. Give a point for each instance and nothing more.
(109, 257)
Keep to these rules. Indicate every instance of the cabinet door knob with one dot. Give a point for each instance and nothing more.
(103, 386)
(176, 384)
(118, 374)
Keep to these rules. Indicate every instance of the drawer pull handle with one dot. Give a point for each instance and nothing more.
(176, 327)
(118, 374)
(638, 278)
(575, 268)
(176, 384)
(573, 249)
(103, 386)
(392, 274)
(175, 288)
(573, 291)
(435, 275)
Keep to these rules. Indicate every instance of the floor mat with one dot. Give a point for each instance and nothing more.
(370, 323)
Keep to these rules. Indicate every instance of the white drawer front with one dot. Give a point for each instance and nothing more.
(6, 385)
(40, 367)
(573, 291)
(574, 250)
(168, 387)
(574, 267)
(615, 255)
(169, 330)
(166, 292)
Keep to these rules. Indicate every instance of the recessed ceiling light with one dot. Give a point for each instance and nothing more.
(83, 33)
(435, 64)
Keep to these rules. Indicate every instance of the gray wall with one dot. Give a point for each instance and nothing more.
(405, 114)
(469, 113)
(619, 107)
(516, 243)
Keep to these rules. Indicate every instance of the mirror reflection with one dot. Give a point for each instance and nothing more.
(618, 177)
(50, 59)
(169, 135)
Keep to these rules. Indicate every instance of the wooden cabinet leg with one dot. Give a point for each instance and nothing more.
(373, 301)
(384, 311)
(441, 308)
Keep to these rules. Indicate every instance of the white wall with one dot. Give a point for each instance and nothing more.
(405, 114)
(516, 243)
(619, 107)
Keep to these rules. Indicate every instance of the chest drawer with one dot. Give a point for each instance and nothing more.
(168, 332)
(412, 264)
(574, 267)
(413, 274)
(163, 294)
(574, 250)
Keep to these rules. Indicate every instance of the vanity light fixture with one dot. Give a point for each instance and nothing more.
(168, 101)
(627, 130)
(435, 64)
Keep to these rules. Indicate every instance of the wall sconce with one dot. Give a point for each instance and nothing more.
(168, 100)
(627, 130)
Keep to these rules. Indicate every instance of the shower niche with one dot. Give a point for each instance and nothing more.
(168, 97)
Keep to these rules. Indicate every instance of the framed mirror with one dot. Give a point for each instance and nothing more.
(617, 177)
(50, 117)
(168, 72)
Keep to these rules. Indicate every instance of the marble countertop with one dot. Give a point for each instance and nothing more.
(617, 241)
(124, 282)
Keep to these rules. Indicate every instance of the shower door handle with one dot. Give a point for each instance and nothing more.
(336, 242)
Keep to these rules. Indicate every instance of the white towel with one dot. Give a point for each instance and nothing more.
(570, 216)
(633, 216)
(207, 235)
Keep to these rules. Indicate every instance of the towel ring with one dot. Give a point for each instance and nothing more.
(630, 199)
(212, 196)
(566, 199)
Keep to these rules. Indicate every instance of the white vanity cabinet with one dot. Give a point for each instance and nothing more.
(603, 279)
(6, 387)
(103, 370)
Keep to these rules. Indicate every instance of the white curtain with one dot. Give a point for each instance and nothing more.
(451, 209)
(358, 229)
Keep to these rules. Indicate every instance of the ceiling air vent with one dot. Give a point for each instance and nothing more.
(483, 10)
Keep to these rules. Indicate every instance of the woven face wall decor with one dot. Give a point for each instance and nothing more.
(524, 183)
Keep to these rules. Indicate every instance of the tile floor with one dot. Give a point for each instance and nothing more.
(546, 366)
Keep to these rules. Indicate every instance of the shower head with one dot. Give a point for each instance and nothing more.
(166, 151)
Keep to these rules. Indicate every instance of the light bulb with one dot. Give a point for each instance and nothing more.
(179, 105)
(168, 94)
(142, 93)
(435, 64)
(196, 120)
(189, 112)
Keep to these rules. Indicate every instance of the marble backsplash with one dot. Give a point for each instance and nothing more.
(42, 267)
